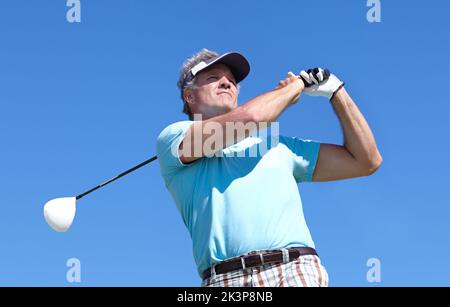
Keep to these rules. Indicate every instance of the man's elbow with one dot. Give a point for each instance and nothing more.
(374, 165)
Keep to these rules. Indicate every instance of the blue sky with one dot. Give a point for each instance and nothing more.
(82, 102)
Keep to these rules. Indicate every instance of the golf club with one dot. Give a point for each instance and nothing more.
(60, 212)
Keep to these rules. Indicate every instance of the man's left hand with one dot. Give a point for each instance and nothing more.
(320, 82)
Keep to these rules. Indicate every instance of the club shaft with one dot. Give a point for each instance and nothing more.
(117, 177)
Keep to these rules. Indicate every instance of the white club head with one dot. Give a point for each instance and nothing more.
(60, 212)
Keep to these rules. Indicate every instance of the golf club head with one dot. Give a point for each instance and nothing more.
(60, 212)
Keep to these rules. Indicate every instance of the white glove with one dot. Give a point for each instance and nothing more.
(319, 82)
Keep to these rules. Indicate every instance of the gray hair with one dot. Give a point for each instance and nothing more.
(203, 55)
(200, 56)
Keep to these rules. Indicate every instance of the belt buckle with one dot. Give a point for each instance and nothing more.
(261, 258)
(244, 267)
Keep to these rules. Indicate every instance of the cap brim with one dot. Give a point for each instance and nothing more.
(235, 61)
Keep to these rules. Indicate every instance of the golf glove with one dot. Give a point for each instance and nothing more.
(320, 82)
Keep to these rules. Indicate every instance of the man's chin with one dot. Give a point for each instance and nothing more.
(227, 108)
(219, 110)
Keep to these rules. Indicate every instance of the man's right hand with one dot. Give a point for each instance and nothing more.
(296, 83)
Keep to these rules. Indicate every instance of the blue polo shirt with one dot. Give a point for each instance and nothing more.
(241, 199)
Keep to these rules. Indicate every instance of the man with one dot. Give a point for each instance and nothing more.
(244, 213)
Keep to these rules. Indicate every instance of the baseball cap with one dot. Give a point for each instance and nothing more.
(235, 61)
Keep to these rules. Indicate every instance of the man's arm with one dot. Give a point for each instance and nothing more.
(265, 108)
(359, 156)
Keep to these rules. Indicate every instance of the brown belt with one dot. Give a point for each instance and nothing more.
(258, 260)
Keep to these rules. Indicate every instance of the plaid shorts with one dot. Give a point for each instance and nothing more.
(305, 271)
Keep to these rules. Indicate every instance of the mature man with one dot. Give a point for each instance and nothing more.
(244, 213)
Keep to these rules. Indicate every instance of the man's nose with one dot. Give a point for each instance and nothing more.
(225, 83)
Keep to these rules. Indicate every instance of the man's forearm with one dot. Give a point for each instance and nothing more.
(358, 138)
(267, 107)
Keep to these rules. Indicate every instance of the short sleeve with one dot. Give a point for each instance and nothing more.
(167, 146)
(305, 154)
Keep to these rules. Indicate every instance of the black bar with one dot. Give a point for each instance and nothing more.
(117, 177)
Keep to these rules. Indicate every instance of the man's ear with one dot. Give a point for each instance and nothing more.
(187, 94)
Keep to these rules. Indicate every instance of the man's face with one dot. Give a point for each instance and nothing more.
(215, 92)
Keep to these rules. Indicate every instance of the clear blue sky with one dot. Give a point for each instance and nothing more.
(83, 102)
